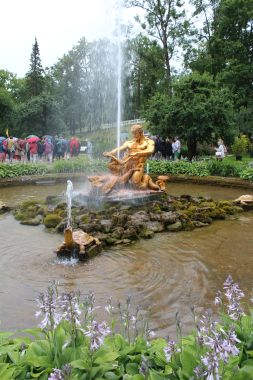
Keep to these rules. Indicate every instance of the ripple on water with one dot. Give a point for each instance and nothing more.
(164, 275)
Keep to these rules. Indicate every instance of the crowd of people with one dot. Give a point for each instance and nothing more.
(38, 149)
(169, 148)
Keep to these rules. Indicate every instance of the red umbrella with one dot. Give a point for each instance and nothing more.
(33, 139)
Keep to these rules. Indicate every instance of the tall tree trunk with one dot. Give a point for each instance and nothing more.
(192, 147)
(168, 70)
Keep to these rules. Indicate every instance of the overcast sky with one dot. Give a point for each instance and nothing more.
(57, 25)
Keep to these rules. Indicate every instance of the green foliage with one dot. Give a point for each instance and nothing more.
(146, 61)
(167, 22)
(223, 168)
(35, 76)
(17, 170)
(198, 110)
(240, 145)
(247, 174)
(6, 109)
(39, 115)
(76, 351)
(178, 167)
(82, 164)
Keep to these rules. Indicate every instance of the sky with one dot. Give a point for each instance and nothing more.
(58, 25)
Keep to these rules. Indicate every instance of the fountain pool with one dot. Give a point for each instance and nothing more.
(166, 274)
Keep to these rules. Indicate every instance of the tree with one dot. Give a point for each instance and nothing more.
(227, 52)
(15, 86)
(85, 83)
(198, 111)
(204, 57)
(6, 109)
(39, 115)
(146, 72)
(165, 21)
(35, 76)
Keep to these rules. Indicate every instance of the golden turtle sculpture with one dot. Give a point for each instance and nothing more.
(244, 200)
(78, 244)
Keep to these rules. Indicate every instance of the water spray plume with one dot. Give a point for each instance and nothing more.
(119, 71)
(69, 194)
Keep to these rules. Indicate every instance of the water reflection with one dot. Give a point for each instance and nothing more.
(164, 275)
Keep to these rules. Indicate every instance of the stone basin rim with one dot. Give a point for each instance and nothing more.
(62, 177)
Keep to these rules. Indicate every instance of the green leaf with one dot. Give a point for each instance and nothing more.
(132, 368)
(111, 376)
(155, 376)
(189, 362)
(39, 354)
(80, 364)
(6, 372)
(104, 356)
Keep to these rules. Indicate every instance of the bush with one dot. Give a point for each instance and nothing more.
(247, 174)
(240, 145)
(76, 165)
(223, 168)
(19, 169)
(178, 167)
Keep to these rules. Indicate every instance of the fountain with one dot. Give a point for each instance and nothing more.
(77, 244)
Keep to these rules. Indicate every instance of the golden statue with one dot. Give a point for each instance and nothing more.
(130, 169)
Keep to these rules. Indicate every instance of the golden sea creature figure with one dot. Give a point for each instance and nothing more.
(130, 169)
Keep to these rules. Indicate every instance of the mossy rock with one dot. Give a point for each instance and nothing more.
(52, 220)
(31, 202)
(61, 213)
(188, 226)
(177, 205)
(147, 234)
(228, 209)
(61, 206)
(85, 218)
(33, 222)
(208, 204)
(217, 213)
(19, 215)
(177, 226)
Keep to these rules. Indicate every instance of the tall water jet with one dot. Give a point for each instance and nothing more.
(119, 71)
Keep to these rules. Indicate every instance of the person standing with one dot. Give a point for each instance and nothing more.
(33, 151)
(89, 149)
(2, 150)
(220, 151)
(176, 146)
(40, 145)
(48, 150)
(10, 148)
(168, 149)
(74, 146)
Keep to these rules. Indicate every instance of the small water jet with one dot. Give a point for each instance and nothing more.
(77, 244)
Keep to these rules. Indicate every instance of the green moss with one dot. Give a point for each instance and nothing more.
(188, 225)
(217, 213)
(19, 215)
(208, 204)
(178, 205)
(52, 220)
(85, 218)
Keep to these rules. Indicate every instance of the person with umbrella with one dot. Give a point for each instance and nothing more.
(2, 149)
(33, 148)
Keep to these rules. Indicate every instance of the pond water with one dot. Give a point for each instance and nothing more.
(166, 274)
